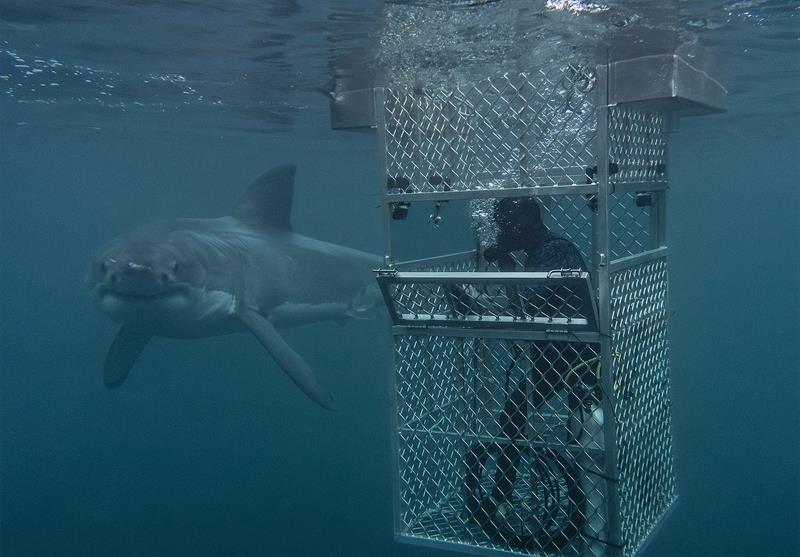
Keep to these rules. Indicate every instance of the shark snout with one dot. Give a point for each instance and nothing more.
(127, 276)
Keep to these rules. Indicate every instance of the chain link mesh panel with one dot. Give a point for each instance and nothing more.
(638, 153)
(641, 383)
(570, 217)
(637, 145)
(499, 443)
(629, 225)
(502, 132)
(459, 263)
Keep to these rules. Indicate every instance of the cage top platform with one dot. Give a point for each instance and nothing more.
(679, 80)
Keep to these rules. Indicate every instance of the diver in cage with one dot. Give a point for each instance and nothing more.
(522, 231)
(522, 240)
(555, 366)
(520, 228)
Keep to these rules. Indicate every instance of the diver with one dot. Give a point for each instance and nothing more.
(520, 228)
(524, 240)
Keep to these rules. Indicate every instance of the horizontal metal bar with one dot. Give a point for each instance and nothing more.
(536, 191)
(464, 548)
(567, 448)
(410, 424)
(431, 261)
(626, 187)
(589, 337)
(634, 260)
(488, 277)
(492, 321)
(510, 317)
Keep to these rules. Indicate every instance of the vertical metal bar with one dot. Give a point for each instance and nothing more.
(417, 118)
(450, 131)
(602, 244)
(395, 412)
(661, 219)
(379, 98)
(654, 220)
(669, 124)
(662, 236)
(599, 145)
(658, 206)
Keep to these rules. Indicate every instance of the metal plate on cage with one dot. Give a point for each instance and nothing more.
(667, 80)
(558, 300)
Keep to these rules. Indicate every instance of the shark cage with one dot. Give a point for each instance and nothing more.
(532, 406)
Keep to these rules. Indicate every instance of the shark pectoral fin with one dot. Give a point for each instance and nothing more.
(291, 362)
(122, 354)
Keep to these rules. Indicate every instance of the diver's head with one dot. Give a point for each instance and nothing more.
(519, 223)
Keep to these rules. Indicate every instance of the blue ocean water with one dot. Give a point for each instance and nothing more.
(208, 449)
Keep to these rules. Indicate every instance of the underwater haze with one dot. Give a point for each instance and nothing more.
(117, 113)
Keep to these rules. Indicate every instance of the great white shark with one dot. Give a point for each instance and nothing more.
(248, 271)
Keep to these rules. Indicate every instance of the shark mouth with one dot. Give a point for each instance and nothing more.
(138, 297)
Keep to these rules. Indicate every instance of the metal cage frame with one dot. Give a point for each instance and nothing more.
(492, 368)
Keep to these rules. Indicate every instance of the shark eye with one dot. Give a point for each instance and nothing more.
(106, 264)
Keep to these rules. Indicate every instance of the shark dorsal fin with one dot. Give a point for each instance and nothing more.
(268, 200)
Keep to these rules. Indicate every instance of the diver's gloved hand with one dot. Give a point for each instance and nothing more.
(491, 254)
(503, 258)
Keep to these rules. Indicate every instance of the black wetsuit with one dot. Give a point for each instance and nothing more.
(549, 253)
(553, 361)
(553, 252)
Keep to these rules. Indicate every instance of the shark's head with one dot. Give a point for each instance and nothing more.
(189, 278)
(146, 276)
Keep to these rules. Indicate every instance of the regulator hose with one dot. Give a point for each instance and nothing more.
(490, 508)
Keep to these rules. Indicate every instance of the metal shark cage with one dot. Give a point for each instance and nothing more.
(532, 409)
